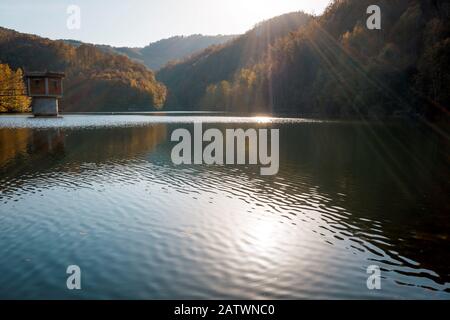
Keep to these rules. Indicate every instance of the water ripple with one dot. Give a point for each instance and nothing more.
(140, 227)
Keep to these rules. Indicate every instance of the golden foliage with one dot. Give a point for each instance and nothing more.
(12, 91)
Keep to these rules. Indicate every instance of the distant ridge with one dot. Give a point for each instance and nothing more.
(95, 80)
(188, 80)
(159, 53)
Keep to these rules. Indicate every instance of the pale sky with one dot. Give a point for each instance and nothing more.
(139, 22)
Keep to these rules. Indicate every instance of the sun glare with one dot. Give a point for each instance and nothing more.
(245, 14)
(262, 119)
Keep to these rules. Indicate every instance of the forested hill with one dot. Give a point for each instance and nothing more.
(189, 79)
(333, 66)
(95, 80)
(159, 53)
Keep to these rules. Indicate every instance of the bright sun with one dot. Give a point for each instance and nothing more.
(253, 11)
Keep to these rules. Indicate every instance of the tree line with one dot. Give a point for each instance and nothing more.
(332, 66)
(13, 95)
(95, 80)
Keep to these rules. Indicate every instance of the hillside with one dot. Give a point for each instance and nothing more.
(158, 54)
(338, 67)
(189, 79)
(95, 80)
(333, 66)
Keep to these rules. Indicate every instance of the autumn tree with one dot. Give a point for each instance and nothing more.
(13, 96)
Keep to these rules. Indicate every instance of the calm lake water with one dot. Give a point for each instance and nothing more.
(102, 193)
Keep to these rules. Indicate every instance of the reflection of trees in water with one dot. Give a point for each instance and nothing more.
(112, 144)
(384, 173)
(46, 148)
(44, 143)
(25, 147)
(388, 178)
(13, 142)
(27, 154)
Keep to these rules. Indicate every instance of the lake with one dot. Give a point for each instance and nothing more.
(101, 192)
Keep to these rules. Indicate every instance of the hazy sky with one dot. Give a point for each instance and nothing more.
(139, 22)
